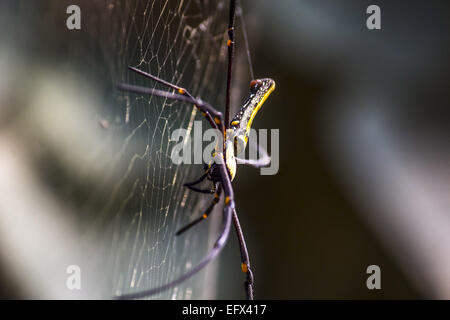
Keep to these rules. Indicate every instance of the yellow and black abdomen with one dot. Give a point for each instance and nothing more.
(259, 91)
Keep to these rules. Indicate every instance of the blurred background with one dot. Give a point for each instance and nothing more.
(86, 177)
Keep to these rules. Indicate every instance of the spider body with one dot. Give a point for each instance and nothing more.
(222, 170)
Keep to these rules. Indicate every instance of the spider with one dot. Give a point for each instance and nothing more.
(222, 170)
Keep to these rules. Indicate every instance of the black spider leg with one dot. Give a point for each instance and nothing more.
(230, 45)
(190, 185)
(203, 106)
(180, 90)
(245, 259)
(262, 161)
(205, 214)
(203, 177)
(207, 191)
(243, 247)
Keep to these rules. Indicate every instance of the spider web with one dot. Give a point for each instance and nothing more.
(182, 42)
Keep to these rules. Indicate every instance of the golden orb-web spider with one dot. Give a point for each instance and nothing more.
(235, 138)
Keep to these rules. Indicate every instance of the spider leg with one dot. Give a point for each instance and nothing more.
(218, 246)
(245, 259)
(203, 106)
(204, 215)
(209, 191)
(155, 78)
(224, 173)
(262, 161)
(229, 200)
(180, 90)
(203, 177)
(230, 45)
(244, 253)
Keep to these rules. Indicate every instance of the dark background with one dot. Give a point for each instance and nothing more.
(308, 234)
